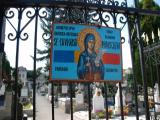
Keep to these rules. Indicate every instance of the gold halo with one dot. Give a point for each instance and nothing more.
(82, 34)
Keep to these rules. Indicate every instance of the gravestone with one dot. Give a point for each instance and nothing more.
(2, 95)
(24, 95)
(79, 106)
(156, 98)
(129, 97)
(24, 92)
(64, 89)
(2, 89)
(117, 110)
(98, 101)
(79, 98)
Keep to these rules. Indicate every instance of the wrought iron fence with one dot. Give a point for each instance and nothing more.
(109, 13)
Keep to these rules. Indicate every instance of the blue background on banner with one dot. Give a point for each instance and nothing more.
(63, 61)
(71, 74)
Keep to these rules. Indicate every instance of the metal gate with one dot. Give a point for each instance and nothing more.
(108, 13)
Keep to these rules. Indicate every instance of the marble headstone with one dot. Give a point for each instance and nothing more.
(117, 105)
(2, 89)
(79, 98)
(64, 88)
(98, 101)
(156, 97)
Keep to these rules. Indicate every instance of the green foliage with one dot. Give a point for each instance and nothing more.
(6, 67)
(30, 73)
(148, 24)
(102, 114)
(130, 81)
(137, 67)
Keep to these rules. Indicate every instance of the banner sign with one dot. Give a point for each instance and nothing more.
(85, 53)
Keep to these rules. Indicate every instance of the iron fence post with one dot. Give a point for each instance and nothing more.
(106, 101)
(34, 64)
(71, 100)
(157, 70)
(89, 100)
(16, 64)
(133, 68)
(1, 44)
(140, 46)
(152, 80)
(1, 39)
(52, 91)
(119, 84)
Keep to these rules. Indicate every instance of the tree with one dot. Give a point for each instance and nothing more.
(148, 24)
(30, 73)
(6, 72)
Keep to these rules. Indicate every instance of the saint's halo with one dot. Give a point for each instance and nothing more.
(82, 34)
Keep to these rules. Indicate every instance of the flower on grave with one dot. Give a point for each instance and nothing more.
(100, 113)
(126, 110)
(98, 93)
(151, 103)
(97, 111)
(110, 112)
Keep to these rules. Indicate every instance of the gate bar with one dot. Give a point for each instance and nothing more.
(71, 100)
(93, 6)
(119, 84)
(106, 101)
(52, 91)
(1, 42)
(16, 64)
(140, 45)
(133, 68)
(52, 84)
(34, 67)
(1, 29)
(157, 71)
(89, 101)
(152, 83)
(121, 100)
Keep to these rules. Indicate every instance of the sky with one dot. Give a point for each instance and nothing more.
(26, 47)
(157, 1)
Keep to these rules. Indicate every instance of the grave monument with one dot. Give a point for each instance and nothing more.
(117, 105)
(156, 98)
(98, 101)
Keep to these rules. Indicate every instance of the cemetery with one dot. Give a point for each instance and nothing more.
(99, 110)
(89, 46)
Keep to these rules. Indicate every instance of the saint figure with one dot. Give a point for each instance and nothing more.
(90, 66)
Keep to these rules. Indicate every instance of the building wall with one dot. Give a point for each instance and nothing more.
(22, 75)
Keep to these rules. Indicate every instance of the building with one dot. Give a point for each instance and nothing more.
(126, 72)
(22, 75)
(41, 82)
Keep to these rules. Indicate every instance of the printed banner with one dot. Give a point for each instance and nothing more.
(85, 53)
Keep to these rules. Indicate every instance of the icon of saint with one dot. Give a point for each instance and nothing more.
(90, 66)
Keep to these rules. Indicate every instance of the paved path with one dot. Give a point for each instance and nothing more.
(44, 110)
